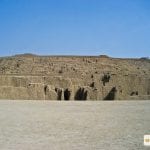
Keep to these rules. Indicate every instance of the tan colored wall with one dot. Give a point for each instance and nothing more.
(83, 77)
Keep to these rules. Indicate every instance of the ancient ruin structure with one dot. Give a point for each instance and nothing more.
(74, 78)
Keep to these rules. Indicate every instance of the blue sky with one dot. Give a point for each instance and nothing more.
(118, 28)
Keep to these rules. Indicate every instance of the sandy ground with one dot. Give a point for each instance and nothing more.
(49, 125)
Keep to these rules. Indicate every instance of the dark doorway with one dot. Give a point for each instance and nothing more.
(45, 89)
(81, 94)
(134, 93)
(111, 95)
(67, 94)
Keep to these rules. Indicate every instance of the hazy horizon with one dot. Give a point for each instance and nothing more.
(76, 55)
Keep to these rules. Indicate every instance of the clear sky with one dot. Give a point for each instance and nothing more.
(118, 28)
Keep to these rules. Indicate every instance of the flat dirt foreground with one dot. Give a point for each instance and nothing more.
(72, 125)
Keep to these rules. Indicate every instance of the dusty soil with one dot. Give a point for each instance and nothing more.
(73, 125)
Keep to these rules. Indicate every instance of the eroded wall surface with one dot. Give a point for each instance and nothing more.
(74, 78)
